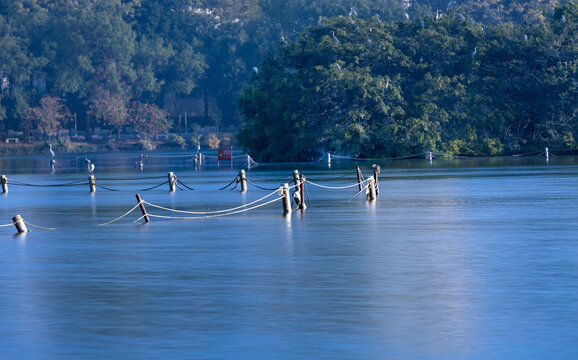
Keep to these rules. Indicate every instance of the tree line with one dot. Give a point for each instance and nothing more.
(444, 82)
(104, 62)
(113, 63)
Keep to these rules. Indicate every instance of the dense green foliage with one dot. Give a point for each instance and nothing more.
(93, 54)
(388, 85)
(443, 83)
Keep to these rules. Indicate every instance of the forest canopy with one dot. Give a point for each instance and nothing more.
(442, 83)
(354, 76)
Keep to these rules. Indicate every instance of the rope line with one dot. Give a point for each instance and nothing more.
(331, 187)
(257, 186)
(1, 226)
(39, 227)
(105, 188)
(180, 182)
(154, 187)
(360, 191)
(125, 214)
(209, 212)
(229, 184)
(216, 215)
(125, 179)
(74, 183)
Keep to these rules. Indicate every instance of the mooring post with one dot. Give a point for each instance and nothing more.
(376, 172)
(286, 200)
(142, 208)
(371, 194)
(296, 179)
(547, 154)
(429, 156)
(19, 223)
(52, 163)
(243, 181)
(302, 205)
(248, 161)
(358, 170)
(329, 158)
(172, 182)
(92, 183)
(4, 182)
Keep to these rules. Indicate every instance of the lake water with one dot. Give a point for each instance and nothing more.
(458, 259)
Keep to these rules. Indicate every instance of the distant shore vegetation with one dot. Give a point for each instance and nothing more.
(442, 83)
(294, 78)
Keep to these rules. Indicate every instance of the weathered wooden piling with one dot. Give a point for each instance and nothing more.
(243, 181)
(302, 205)
(359, 182)
(371, 194)
(4, 182)
(20, 225)
(92, 183)
(296, 179)
(142, 208)
(172, 181)
(286, 200)
(376, 172)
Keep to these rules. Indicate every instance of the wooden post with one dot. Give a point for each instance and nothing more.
(302, 206)
(547, 154)
(172, 181)
(358, 170)
(329, 158)
(19, 223)
(286, 200)
(296, 179)
(4, 182)
(376, 171)
(92, 183)
(243, 181)
(371, 195)
(52, 163)
(142, 208)
(429, 156)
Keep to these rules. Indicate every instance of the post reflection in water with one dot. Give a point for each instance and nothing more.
(454, 260)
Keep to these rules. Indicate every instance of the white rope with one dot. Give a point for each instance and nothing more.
(360, 191)
(125, 214)
(214, 216)
(36, 226)
(209, 212)
(1, 226)
(331, 187)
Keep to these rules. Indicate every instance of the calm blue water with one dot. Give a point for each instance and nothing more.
(459, 259)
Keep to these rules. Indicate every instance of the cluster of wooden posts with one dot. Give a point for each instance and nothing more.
(299, 181)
